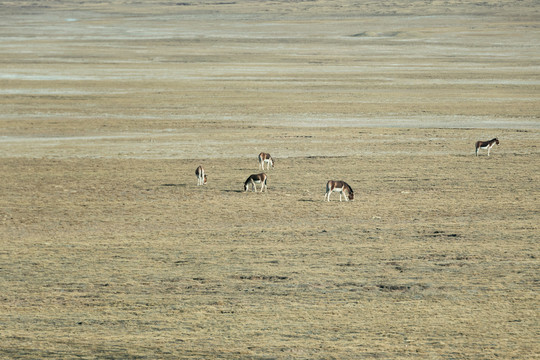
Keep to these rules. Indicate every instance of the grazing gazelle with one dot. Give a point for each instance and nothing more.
(341, 187)
(486, 145)
(201, 176)
(255, 179)
(265, 158)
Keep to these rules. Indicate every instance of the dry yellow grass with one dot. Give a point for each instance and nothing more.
(110, 250)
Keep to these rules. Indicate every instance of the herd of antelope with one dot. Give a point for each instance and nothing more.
(339, 186)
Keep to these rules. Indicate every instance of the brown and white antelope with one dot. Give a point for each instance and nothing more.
(486, 145)
(265, 158)
(256, 179)
(341, 187)
(201, 176)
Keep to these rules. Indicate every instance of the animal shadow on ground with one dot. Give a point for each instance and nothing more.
(179, 185)
(233, 191)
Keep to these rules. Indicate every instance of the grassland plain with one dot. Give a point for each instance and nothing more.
(110, 250)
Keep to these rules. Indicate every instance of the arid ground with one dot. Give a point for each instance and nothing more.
(109, 249)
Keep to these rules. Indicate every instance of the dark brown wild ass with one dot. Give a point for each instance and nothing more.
(265, 158)
(341, 187)
(201, 176)
(256, 179)
(485, 145)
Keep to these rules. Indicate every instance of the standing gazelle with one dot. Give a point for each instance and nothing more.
(256, 179)
(201, 176)
(341, 187)
(265, 158)
(485, 145)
